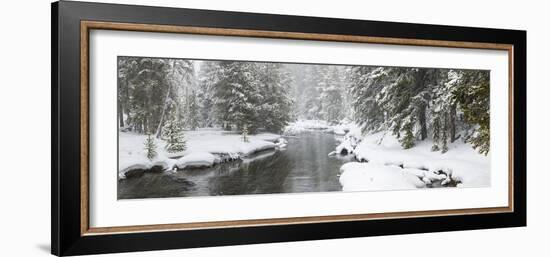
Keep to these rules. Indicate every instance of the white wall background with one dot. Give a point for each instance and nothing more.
(25, 127)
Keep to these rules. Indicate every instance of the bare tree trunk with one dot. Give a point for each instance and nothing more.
(159, 127)
(161, 121)
(145, 127)
(120, 107)
(420, 85)
(423, 125)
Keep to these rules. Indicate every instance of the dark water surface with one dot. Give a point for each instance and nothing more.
(303, 167)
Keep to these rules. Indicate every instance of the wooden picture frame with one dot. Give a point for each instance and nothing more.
(71, 25)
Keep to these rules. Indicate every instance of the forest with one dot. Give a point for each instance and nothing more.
(158, 96)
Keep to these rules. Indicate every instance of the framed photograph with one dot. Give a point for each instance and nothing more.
(178, 128)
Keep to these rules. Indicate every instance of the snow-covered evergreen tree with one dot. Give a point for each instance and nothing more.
(312, 92)
(146, 86)
(150, 147)
(143, 86)
(208, 78)
(192, 117)
(443, 109)
(473, 97)
(275, 107)
(179, 77)
(331, 98)
(394, 99)
(173, 134)
(369, 91)
(237, 95)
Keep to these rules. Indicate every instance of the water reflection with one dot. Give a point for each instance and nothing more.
(303, 167)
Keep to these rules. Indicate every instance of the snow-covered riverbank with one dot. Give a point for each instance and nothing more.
(302, 126)
(382, 164)
(204, 149)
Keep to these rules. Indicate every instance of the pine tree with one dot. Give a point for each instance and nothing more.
(443, 109)
(274, 109)
(179, 76)
(331, 95)
(193, 111)
(237, 95)
(367, 90)
(407, 137)
(312, 94)
(302, 89)
(172, 133)
(208, 78)
(146, 87)
(150, 147)
(393, 98)
(473, 96)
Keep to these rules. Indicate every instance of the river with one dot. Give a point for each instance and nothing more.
(303, 167)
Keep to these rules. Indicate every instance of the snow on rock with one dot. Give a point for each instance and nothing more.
(350, 140)
(372, 177)
(346, 147)
(165, 163)
(348, 144)
(196, 160)
(130, 167)
(281, 143)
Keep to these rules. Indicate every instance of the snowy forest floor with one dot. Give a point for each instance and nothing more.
(204, 148)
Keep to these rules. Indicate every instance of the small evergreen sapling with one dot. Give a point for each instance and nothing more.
(407, 135)
(172, 133)
(245, 133)
(150, 147)
(407, 140)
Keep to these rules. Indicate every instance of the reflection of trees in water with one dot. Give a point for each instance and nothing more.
(154, 185)
(266, 175)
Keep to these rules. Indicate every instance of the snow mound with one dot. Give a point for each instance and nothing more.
(165, 163)
(461, 163)
(351, 139)
(254, 146)
(203, 146)
(267, 137)
(226, 143)
(196, 160)
(348, 144)
(302, 126)
(132, 166)
(375, 177)
(281, 143)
